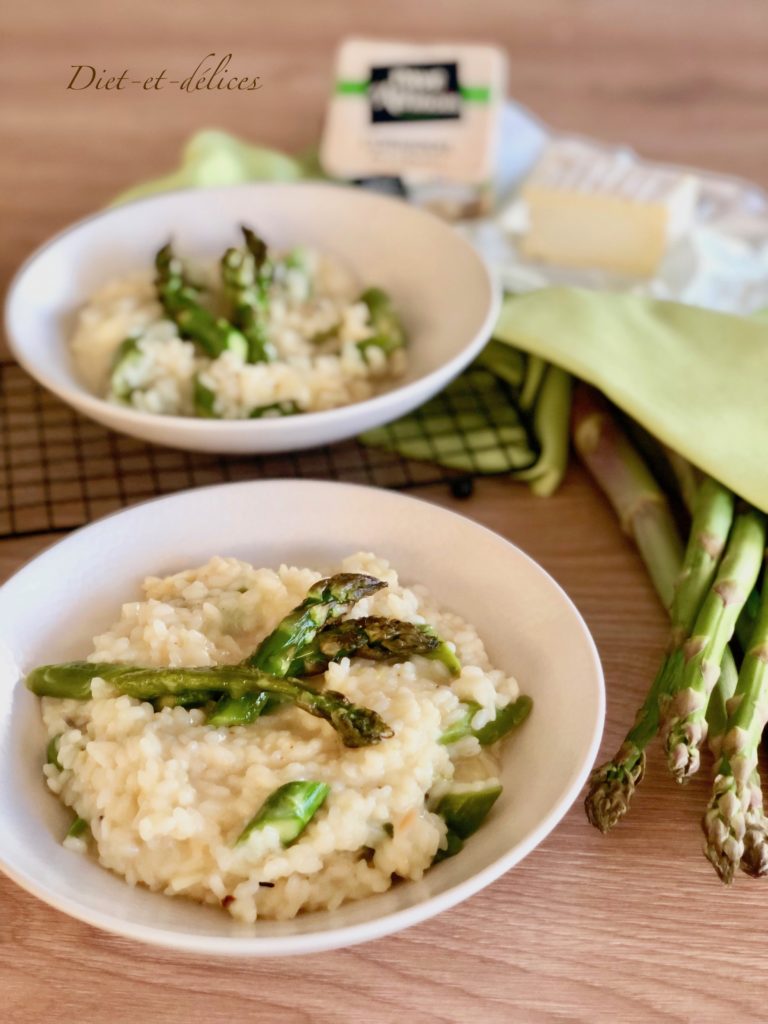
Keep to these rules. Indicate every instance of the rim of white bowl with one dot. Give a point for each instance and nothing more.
(87, 401)
(349, 935)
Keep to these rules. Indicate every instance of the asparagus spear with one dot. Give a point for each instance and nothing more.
(754, 859)
(127, 357)
(453, 845)
(248, 297)
(286, 408)
(372, 637)
(612, 785)
(684, 725)
(376, 639)
(203, 399)
(464, 812)
(77, 829)
(388, 333)
(734, 824)
(289, 810)
(52, 751)
(257, 247)
(507, 718)
(326, 601)
(181, 301)
(188, 699)
(630, 487)
(357, 726)
(243, 711)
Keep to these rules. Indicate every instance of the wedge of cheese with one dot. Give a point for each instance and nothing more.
(590, 207)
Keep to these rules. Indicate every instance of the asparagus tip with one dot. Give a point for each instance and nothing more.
(754, 859)
(611, 788)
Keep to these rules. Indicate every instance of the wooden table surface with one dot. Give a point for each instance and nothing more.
(634, 927)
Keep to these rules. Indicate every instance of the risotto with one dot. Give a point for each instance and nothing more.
(256, 334)
(170, 800)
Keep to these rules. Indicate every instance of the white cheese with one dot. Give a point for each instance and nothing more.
(588, 207)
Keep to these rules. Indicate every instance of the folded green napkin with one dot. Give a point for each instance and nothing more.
(696, 379)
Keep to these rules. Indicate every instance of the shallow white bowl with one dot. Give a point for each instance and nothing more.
(50, 610)
(439, 283)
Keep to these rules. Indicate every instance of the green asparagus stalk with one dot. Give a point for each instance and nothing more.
(508, 718)
(257, 247)
(274, 409)
(288, 810)
(52, 751)
(244, 711)
(735, 826)
(78, 829)
(612, 785)
(629, 486)
(203, 399)
(181, 301)
(388, 334)
(326, 601)
(464, 812)
(127, 357)
(357, 726)
(687, 477)
(376, 639)
(247, 294)
(684, 725)
(754, 859)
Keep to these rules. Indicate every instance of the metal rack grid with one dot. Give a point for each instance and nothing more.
(59, 470)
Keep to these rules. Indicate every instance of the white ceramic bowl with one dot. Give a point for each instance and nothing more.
(440, 284)
(50, 610)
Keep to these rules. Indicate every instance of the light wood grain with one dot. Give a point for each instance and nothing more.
(631, 928)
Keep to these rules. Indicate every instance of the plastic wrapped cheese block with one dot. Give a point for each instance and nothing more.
(585, 206)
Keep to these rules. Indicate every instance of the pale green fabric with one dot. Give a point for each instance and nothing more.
(696, 379)
(217, 158)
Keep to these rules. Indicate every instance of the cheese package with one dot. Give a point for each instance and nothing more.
(589, 207)
(427, 116)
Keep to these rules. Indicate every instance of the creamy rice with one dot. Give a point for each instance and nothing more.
(166, 796)
(305, 304)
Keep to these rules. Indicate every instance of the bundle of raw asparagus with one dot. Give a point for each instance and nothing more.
(717, 619)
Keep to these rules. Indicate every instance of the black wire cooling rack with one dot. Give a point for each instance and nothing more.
(59, 470)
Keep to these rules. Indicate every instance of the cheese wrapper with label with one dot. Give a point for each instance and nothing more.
(584, 207)
(425, 115)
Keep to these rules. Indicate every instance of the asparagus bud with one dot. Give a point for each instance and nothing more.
(735, 827)
(376, 639)
(684, 725)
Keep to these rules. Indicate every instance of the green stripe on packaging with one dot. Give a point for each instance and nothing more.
(469, 93)
(347, 88)
(475, 93)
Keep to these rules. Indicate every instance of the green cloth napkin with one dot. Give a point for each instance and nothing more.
(696, 379)
(218, 158)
